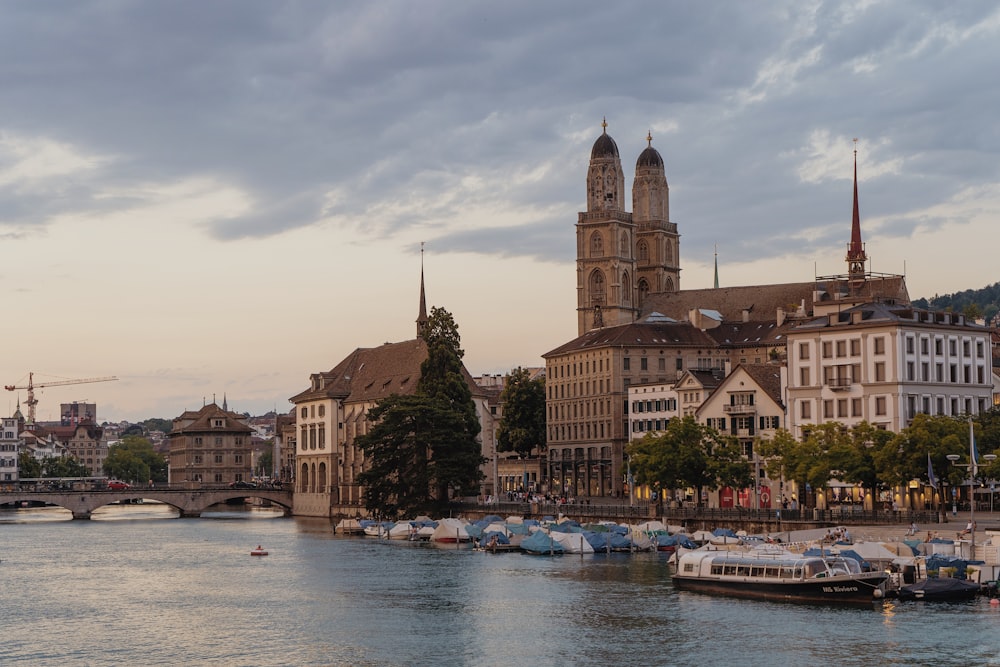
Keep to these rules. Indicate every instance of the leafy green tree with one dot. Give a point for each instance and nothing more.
(133, 459)
(679, 457)
(422, 448)
(522, 426)
(28, 466)
(728, 466)
(775, 452)
(63, 466)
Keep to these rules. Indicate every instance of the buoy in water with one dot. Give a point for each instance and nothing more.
(994, 602)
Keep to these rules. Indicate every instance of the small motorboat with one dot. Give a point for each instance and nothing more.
(259, 551)
(945, 589)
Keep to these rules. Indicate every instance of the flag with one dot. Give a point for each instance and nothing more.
(973, 452)
(930, 472)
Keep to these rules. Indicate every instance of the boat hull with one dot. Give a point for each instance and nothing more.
(856, 590)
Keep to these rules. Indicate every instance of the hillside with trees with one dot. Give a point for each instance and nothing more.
(973, 303)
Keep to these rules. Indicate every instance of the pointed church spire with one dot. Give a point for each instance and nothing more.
(422, 314)
(856, 257)
(716, 266)
(225, 408)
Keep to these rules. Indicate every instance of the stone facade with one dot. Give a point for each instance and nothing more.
(210, 446)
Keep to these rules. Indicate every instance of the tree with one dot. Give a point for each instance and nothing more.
(681, 456)
(63, 466)
(28, 466)
(133, 459)
(423, 448)
(522, 426)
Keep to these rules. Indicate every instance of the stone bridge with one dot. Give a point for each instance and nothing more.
(190, 502)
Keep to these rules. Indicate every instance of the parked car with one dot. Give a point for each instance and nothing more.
(118, 485)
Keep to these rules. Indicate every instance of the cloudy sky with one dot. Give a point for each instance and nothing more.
(219, 198)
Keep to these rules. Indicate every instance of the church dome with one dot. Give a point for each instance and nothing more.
(605, 146)
(650, 157)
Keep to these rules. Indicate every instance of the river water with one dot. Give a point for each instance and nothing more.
(135, 586)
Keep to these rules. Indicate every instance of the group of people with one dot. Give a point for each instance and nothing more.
(838, 535)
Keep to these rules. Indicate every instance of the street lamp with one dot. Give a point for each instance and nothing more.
(973, 469)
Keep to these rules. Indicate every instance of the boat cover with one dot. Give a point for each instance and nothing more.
(939, 589)
(540, 542)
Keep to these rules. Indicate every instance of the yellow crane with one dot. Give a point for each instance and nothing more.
(31, 387)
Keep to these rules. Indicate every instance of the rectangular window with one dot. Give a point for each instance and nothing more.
(855, 347)
(218, 458)
(924, 346)
(239, 459)
(828, 409)
(856, 407)
(805, 412)
(842, 408)
(879, 345)
(827, 349)
(662, 364)
(803, 350)
(880, 406)
(643, 364)
(841, 348)
(626, 364)
(909, 345)
(804, 376)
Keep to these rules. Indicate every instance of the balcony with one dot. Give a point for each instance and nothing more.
(739, 409)
(839, 384)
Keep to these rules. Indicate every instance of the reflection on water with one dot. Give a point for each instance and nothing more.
(138, 586)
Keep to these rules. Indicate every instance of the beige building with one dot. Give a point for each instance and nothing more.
(210, 446)
(333, 411)
(748, 405)
(884, 364)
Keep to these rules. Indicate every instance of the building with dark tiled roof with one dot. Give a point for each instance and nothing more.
(333, 411)
(211, 446)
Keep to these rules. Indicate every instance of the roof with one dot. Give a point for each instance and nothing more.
(764, 301)
(756, 333)
(649, 157)
(201, 420)
(375, 373)
(768, 377)
(646, 334)
(604, 147)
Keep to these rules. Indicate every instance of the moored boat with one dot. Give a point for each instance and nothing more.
(940, 590)
(259, 551)
(776, 574)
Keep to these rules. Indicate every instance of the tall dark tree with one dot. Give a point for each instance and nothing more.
(522, 426)
(28, 466)
(422, 449)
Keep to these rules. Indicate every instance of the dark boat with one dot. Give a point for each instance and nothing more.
(940, 590)
(766, 574)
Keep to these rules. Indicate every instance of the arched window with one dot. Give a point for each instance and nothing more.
(596, 245)
(597, 288)
(321, 481)
(642, 250)
(626, 289)
(643, 290)
(626, 246)
(668, 284)
(304, 478)
(668, 249)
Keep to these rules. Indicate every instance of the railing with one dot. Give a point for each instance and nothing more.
(739, 409)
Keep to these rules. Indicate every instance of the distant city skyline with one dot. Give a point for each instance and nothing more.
(226, 205)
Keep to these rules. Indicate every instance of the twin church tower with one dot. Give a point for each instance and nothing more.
(620, 256)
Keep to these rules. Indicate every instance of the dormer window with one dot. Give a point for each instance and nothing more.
(218, 423)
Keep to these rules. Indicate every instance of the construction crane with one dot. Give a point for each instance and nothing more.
(31, 387)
